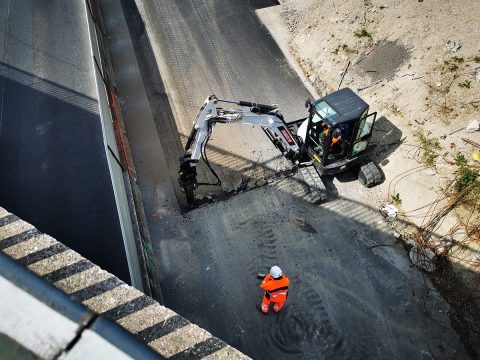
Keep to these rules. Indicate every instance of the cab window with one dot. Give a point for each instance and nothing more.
(365, 127)
(326, 111)
(359, 147)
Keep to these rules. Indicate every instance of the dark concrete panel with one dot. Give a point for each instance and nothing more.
(53, 168)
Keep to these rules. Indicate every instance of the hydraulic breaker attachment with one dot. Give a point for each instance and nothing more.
(187, 178)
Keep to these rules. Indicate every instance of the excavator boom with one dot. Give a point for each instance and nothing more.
(264, 116)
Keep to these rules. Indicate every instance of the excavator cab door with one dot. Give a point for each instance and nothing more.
(363, 133)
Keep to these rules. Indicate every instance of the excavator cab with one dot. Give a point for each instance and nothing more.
(336, 135)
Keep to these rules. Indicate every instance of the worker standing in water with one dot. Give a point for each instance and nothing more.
(275, 285)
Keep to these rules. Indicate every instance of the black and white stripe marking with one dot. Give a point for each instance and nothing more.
(19, 238)
(163, 328)
(130, 307)
(68, 271)
(200, 350)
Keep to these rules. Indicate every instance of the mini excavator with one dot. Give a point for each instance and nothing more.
(333, 137)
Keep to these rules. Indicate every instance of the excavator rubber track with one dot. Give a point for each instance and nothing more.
(318, 191)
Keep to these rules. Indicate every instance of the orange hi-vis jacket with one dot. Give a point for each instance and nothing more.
(276, 290)
(334, 140)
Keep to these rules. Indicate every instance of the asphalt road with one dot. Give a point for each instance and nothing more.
(53, 166)
(217, 48)
(350, 299)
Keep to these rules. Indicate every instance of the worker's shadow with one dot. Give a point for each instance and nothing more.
(386, 138)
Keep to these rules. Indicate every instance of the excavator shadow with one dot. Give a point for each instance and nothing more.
(386, 139)
(292, 178)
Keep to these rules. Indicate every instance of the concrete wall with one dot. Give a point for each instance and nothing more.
(113, 156)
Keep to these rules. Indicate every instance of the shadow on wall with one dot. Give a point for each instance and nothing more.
(156, 93)
(53, 166)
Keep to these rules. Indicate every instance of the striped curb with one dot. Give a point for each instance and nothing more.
(171, 335)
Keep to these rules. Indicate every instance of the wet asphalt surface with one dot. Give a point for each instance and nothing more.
(53, 167)
(353, 293)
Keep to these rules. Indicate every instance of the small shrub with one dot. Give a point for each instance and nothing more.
(363, 33)
(466, 174)
(452, 63)
(343, 47)
(396, 199)
(465, 84)
(429, 148)
(460, 159)
(453, 67)
(466, 178)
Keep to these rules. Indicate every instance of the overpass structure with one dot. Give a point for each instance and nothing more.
(47, 323)
(60, 165)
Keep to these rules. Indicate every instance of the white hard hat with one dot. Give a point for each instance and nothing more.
(275, 271)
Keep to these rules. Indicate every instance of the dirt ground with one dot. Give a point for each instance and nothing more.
(418, 64)
(400, 59)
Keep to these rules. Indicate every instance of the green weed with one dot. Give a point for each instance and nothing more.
(460, 159)
(466, 177)
(465, 84)
(363, 33)
(396, 199)
(429, 147)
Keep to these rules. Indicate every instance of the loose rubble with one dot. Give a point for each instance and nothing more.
(472, 126)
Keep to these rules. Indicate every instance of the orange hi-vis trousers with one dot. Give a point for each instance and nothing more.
(277, 306)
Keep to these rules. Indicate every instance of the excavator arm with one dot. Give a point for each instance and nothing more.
(266, 117)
